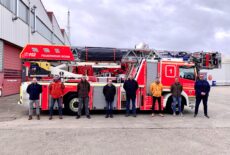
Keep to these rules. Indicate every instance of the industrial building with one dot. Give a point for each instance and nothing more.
(23, 22)
(221, 76)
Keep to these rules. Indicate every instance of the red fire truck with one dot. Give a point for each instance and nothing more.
(101, 64)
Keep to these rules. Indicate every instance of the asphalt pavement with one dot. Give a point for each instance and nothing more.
(119, 135)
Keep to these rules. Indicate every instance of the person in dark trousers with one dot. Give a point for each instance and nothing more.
(156, 89)
(109, 92)
(56, 90)
(176, 90)
(83, 89)
(202, 89)
(130, 87)
(34, 90)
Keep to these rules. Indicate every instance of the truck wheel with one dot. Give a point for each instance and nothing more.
(71, 105)
(169, 106)
(182, 106)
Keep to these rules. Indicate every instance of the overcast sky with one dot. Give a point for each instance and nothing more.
(191, 25)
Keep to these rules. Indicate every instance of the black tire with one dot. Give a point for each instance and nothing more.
(182, 106)
(71, 104)
(169, 105)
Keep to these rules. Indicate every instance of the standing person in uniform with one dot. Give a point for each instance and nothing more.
(109, 92)
(130, 87)
(56, 90)
(83, 89)
(202, 89)
(34, 90)
(156, 89)
(176, 90)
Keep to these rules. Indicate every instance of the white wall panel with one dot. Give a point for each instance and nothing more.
(38, 39)
(17, 31)
(13, 31)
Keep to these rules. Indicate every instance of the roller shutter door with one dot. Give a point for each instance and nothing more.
(1, 67)
(11, 69)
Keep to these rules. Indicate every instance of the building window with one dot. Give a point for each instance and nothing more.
(57, 41)
(43, 29)
(9, 4)
(23, 12)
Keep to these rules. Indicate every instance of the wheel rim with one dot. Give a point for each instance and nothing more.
(73, 104)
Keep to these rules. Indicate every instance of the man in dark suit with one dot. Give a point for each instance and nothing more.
(202, 88)
(34, 90)
(109, 92)
(130, 87)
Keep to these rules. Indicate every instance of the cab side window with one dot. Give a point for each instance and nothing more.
(187, 72)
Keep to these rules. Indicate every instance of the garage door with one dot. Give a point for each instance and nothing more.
(11, 69)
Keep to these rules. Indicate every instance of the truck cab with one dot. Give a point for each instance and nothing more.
(186, 72)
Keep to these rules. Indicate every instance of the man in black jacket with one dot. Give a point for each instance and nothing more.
(109, 92)
(202, 88)
(83, 89)
(176, 90)
(130, 87)
(34, 90)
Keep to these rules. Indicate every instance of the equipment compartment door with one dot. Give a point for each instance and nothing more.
(152, 73)
(99, 102)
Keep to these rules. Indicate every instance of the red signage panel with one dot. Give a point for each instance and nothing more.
(47, 52)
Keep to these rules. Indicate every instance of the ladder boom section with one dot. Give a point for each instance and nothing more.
(45, 61)
(202, 60)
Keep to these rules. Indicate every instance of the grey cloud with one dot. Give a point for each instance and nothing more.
(163, 24)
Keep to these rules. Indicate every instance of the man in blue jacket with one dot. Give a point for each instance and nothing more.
(34, 90)
(202, 89)
(130, 87)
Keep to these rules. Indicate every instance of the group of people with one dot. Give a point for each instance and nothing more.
(202, 89)
(176, 90)
(56, 90)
